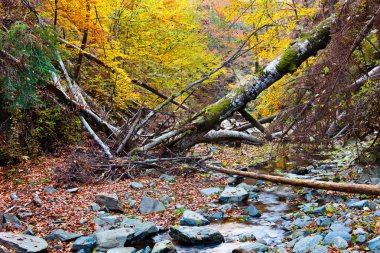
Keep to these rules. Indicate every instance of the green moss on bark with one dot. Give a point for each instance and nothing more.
(287, 61)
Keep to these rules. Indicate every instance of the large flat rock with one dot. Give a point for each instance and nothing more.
(23, 243)
(190, 218)
(233, 194)
(196, 235)
(115, 238)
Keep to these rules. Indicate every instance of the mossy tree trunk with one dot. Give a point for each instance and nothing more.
(307, 45)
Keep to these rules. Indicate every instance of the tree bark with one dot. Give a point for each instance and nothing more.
(308, 44)
(341, 187)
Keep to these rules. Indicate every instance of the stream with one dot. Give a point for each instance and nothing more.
(271, 203)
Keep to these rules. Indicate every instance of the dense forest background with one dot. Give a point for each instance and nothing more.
(100, 64)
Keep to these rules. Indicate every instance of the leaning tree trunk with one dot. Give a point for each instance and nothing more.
(308, 44)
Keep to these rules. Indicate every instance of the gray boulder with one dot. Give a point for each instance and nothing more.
(116, 238)
(62, 236)
(233, 194)
(190, 218)
(196, 235)
(85, 243)
(23, 243)
(149, 205)
(111, 201)
(122, 250)
(307, 244)
(165, 246)
(142, 229)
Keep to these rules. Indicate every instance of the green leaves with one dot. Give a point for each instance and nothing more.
(20, 80)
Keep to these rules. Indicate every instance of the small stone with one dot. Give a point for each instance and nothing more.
(165, 246)
(359, 231)
(253, 247)
(301, 222)
(323, 221)
(131, 203)
(73, 190)
(319, 210)
(190, 218)
(28, 231)
(137, 185)
(307, 244)
(340, 227)
(210, 191)
(166, 199)
(234, 180)
(95, 207)
(248, 188)
(252, 212)
(111, 201)
(168, 178)
(247, 237)
(14, 196)
(149, 205)
(218, 216)
(361, 239)
(122, 250)
(218, 176)
(85, 243)
(374, 245)
(49, 189)
(331, 235)
(359, 204)
(225, 208)
(179, 206)
(339, 242)
(62, 236)
(83, 221)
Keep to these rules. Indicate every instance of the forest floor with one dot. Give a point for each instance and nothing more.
(307, 214)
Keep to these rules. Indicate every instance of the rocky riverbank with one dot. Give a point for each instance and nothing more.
(199, 212)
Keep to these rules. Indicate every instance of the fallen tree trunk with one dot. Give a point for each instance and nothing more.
(341, 187)
(307, 45)
(261, 121)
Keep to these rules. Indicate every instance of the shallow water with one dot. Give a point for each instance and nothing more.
(271, 203)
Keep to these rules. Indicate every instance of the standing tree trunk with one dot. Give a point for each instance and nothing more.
(308, 44)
